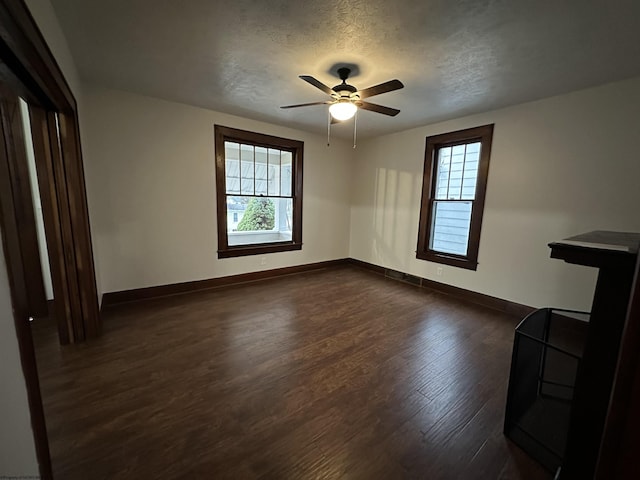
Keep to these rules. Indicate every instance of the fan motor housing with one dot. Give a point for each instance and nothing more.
(344, 87)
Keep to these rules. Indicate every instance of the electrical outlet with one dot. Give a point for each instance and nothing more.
(439, 271)
(263, 261)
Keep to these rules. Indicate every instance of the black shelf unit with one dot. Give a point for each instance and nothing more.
(614, 254)
(547, 350)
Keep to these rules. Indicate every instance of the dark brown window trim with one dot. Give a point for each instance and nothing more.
(296, 147)
(484, 134)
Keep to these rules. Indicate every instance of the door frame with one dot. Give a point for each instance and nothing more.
(29, 70)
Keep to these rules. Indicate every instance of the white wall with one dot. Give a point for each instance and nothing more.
(17, 447)
(47, 21)
(560, 166)
(154, 218)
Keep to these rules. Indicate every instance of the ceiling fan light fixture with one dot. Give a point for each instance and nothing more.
(343, 110)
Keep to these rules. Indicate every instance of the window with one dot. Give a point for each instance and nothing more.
(259, 193)
(456, 167)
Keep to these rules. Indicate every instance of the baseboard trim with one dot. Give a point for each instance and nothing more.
(495, 303)
(137, 294)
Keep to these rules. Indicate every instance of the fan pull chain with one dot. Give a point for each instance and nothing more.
(355, 126)
(328, 128)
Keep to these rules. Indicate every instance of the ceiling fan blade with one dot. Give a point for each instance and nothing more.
(385, 87)
(306, 104)
(317, 84)
(392, 112)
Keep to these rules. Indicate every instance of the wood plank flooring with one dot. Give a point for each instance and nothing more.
(332, 374)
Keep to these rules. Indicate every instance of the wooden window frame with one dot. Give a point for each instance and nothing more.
(296, 147)
(484, 135)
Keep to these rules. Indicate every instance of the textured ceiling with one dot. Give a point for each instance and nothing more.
(454, 57)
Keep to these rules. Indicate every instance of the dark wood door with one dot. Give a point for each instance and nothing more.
(16, 183)
(22, 258)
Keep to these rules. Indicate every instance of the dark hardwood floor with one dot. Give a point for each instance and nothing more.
(332, 374)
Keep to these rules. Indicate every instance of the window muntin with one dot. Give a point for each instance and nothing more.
(260, 178)
(455, 177)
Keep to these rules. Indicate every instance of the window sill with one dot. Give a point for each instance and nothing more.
(258, 249)
(257, 237)
(446, 259)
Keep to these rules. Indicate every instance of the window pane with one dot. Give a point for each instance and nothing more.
(457, 172)
(450, 227)
(471, 163)
(247, 167)
(442, 175)
(286, 171)
(274, 172)
(252, 220)
(261, 171)
(232, 167)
